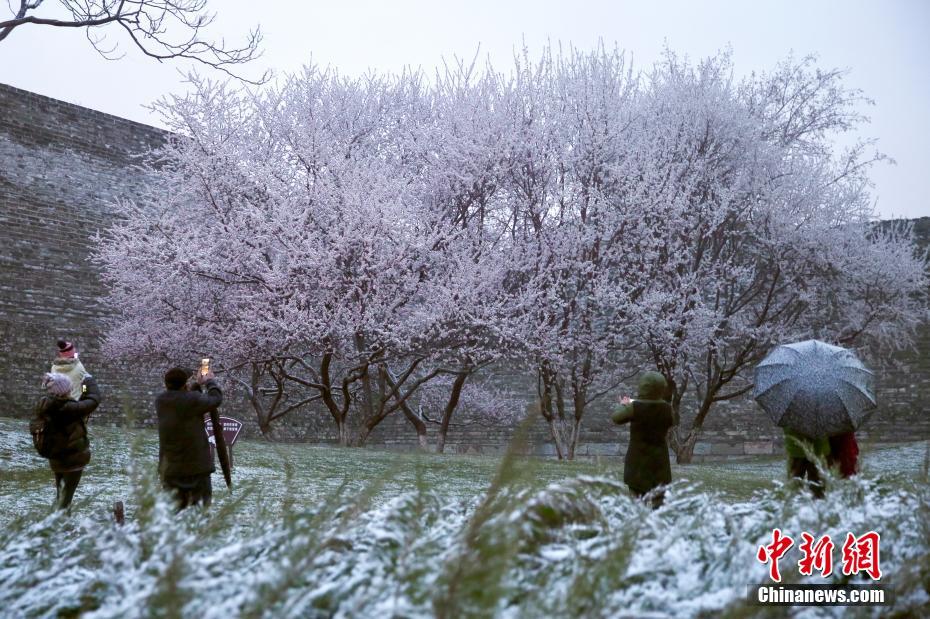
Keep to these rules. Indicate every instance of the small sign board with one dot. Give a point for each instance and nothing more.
(231, 429)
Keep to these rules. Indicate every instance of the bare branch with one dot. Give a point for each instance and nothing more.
(160, 29)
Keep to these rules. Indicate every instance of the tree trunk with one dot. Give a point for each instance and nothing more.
(556, 434)
(552, 408)
(579, 397)
(368, 398)
(451, 405)
(364, 432)
(684, 446)
(573, 442)
(326, 393)
(441, 440)
(418, 424)
(424, 443)
(343, 431)
(263, 414)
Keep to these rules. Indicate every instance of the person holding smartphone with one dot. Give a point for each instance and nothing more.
(184, 460)
(647, 466)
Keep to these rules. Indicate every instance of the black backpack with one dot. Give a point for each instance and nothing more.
(41, 428)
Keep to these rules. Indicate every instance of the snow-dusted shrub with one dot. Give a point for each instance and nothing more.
(581, 547)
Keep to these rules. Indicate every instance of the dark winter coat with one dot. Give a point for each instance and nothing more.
(647, 463)
(67, 432)
(183, 446)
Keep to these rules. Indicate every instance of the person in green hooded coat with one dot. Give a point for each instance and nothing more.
(650, 416)
(800, 449)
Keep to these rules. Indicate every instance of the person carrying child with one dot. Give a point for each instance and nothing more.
(59, 431)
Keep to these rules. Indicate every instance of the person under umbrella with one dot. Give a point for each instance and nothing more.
(844, 454)
(813, 390)
(803, 453)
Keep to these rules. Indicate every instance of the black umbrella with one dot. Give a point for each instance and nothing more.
(814, 388)
(221, 449)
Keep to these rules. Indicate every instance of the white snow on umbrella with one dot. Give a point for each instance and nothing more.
(814, 388)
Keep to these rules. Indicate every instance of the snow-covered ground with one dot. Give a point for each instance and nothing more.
(314, 531)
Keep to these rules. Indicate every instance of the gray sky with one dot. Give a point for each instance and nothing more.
(885, 44)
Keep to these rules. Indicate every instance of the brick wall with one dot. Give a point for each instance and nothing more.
(61, 169)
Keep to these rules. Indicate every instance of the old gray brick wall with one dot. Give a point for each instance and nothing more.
(62, 167)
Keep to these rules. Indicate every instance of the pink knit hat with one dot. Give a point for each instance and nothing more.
(66, 350)
(57, 384)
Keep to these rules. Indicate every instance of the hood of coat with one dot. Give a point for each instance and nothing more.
(651, 386)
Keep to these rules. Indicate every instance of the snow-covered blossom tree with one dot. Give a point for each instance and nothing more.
(474, 402)
(769, 238)
(303, 241)
(580, 217)
(356, 242)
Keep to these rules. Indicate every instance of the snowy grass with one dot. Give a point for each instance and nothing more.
(378, 534)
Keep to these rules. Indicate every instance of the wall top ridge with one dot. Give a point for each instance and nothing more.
(12, 92)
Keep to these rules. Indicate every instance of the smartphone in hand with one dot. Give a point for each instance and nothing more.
(204, 366)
